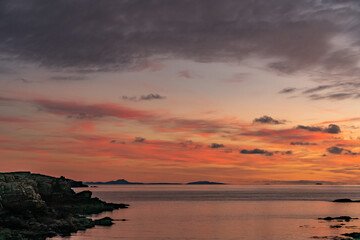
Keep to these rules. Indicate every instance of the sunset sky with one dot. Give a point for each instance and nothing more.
(242, 92)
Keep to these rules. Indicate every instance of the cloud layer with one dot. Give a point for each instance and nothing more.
(103, 35)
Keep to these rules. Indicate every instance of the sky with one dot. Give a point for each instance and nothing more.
(241, 92)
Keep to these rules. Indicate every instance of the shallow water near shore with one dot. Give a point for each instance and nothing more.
(224, 212)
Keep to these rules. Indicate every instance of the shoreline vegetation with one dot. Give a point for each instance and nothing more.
(36, 207)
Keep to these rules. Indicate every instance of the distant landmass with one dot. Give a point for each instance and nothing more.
(205, 183)
(301, 182)
(119, 181)
(125, 182)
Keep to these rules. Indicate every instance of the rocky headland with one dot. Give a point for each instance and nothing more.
(35, 206)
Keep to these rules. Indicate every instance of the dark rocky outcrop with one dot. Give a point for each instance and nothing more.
(354, 235)
(345, 200)
(341, 218)
(35, 206)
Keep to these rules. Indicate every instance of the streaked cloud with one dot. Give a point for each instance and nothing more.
(332, 128)
(148, 97)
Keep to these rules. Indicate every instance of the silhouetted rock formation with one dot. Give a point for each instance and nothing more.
(35, 206)
(341, 218)
(345, 200)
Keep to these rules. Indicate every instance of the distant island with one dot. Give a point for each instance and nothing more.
(205, 183)
(125, 182)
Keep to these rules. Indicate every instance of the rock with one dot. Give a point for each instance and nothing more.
(84, 195)
(354, 235)
(341, 218)
(35, 206)
(106, 221)
(345, 200)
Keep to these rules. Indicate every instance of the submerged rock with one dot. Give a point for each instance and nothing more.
(34, 206)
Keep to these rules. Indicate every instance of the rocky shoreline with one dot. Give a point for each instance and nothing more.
(35, 206)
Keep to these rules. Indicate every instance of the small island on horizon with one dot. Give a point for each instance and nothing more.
(125, 182)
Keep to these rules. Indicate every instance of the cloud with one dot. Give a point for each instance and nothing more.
(216, 145)
(90, 111)
(339, 90)
(185, 74)
(148, 97)
(120, 35)
(151, 96)
(190, 144)
(108, 35)
(256, 151)
(332, 128)
(68, 78)
(334, 96)
(308, 128)
(287, 90)
(287, 153)
(317, 89)
(139, 139)
(303, 143)
(268, 120)
(339, 150)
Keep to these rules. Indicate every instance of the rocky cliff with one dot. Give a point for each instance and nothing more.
(35, 206)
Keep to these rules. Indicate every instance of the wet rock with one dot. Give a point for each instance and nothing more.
(354, 235)
(106, 221)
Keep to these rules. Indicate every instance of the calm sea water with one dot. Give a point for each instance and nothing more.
(224, 212)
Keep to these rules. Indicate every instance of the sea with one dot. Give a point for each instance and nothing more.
(224, 212)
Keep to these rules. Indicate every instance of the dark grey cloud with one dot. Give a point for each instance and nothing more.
(151, 96)
(287, 90)
(303, 143)
(309, 128)
(268, 120)
(318, 88)
(216, 145)
(139, 139)
(256, 151)
(116, 141)
(332, 128)
(92, 35)
(332, 96)
(339, 150)
(148, 97)
(338, 90)
(287, 153)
